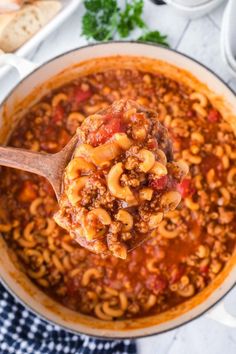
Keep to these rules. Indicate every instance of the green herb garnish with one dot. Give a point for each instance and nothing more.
(154, 37)
(104, 20)
(100, 19)
(130, 18)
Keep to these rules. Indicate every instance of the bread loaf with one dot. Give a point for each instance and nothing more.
(10, 5)
(18, 27)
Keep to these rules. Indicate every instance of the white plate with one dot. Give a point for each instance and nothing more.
(68, 7)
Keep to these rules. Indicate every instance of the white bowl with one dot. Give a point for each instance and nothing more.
(194, 11)
(190, 3)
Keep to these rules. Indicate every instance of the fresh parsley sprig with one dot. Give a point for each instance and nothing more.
(100, 20)
(104, 20)
(130, 18)
(154, 37)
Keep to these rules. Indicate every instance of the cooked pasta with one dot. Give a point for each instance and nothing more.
(191, 245)
(104, 190)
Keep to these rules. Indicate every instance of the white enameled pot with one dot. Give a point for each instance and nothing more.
(70, 65)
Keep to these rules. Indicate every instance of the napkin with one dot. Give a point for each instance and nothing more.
(22, 332)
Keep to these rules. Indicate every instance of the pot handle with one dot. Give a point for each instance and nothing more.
(23, 66)
(220, 314)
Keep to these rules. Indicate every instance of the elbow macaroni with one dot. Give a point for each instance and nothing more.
(115, 194)
(113, 183)
(148, 160)
(126, 219)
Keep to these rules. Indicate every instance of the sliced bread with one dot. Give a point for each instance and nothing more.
(18, 27)
(10, 5)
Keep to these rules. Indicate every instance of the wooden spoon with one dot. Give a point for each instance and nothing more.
(50, 166)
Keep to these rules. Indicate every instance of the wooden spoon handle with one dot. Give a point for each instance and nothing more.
(50, 166)
(35, 162)
(46, 165)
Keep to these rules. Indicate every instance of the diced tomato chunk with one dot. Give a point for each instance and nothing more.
(204, 269)
(171, 183)
(213, 116)
(186, 188)
(105, 132)
(156, 283)
(164, 182)
(80, 95)
(58, 114)
(159, 183)
(190, 113)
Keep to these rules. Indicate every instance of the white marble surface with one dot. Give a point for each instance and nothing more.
(200, 39)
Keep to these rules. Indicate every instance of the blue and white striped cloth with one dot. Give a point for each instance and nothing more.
(21, 332)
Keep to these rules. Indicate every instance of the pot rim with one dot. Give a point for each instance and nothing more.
(150, 44)
(104, 337)
(6, 285)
